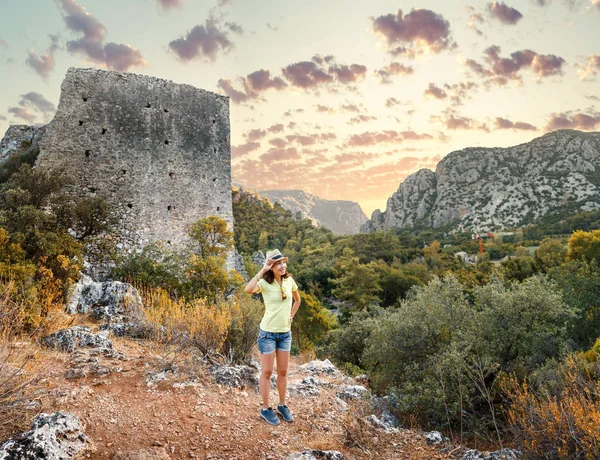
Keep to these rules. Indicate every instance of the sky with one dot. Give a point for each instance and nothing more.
(341, 98)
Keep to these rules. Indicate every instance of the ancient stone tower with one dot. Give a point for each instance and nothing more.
(158, 151)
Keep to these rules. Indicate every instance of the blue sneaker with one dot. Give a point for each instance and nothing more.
(285, 413)
(269, 416)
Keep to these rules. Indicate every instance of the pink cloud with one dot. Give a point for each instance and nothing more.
(244, 149)
(395, 68)
(503, 123)
(504, 13)
(577, 120)
(203, 41)
(414, 32)
(435, 92)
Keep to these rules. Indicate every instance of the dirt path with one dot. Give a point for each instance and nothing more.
(126, 418)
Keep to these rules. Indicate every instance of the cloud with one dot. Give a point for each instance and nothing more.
(349, 108)
(244, 149)
(43, 64)
(2, 118)
(570, 120)
(325, 109)
(203, 41)
(435, 92)
(276, 128)
(502, 70)
(3, 43)
(307, 75)
(392, 101)
(369, 138)
(279, 155)
(348, 74)
(475, 19)
(361, 119)
(38, 102)
(503, 123)
(114, 56)
(411, 34)
(596, 3)
(504, 13)
(255, 134)
(170, 4)
(261, 81)
(589, 69)
(395, 68)
(455, 122)
(23, 113)
(278, 142)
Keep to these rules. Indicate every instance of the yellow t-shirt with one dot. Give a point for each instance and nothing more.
(277, 311)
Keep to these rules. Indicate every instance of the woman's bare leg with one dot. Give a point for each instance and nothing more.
(283, 362)
(266, 369)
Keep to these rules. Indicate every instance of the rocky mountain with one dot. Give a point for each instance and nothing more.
(340, 216)
(485, 189)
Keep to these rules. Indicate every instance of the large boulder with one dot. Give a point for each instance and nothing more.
(55, 436)
(108, 300)
(76, 337)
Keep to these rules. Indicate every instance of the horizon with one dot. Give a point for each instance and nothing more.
(341, 109)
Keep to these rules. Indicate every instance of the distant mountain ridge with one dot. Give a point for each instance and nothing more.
(340, 216)
(484, 189)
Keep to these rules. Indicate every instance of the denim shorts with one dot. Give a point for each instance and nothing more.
(268, 342)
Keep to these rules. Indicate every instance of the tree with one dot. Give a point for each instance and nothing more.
(551, 253)
(211, 237)
(312, 321)
(585, 246)
(356, 283)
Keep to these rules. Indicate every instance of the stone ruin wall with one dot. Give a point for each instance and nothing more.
(159, 152)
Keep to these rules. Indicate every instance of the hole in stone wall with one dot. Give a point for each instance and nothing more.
(123, 171)
(103, 130)
(215, 149)
(171, 174)
(214, 121)
(130, 205)
(166, 110)
(148, 105)
(169, 208)
(84, 99)
(214, 179)
(168, 241)
(87, 153)
(92, 189)
(218, 208)
(167, 142)
(80, 122)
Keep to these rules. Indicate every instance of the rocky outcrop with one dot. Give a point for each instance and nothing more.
(55, 436)
(340, 216)
(236, 376)
(77, 337)
(502, 454)
(110, 300)
(20, 140)
(485, 189)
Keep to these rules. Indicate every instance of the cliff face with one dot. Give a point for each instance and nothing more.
(490, 188)
(339, 216)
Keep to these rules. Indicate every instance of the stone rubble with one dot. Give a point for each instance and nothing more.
(55, 436)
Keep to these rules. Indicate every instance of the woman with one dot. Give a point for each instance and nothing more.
(275, 335)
